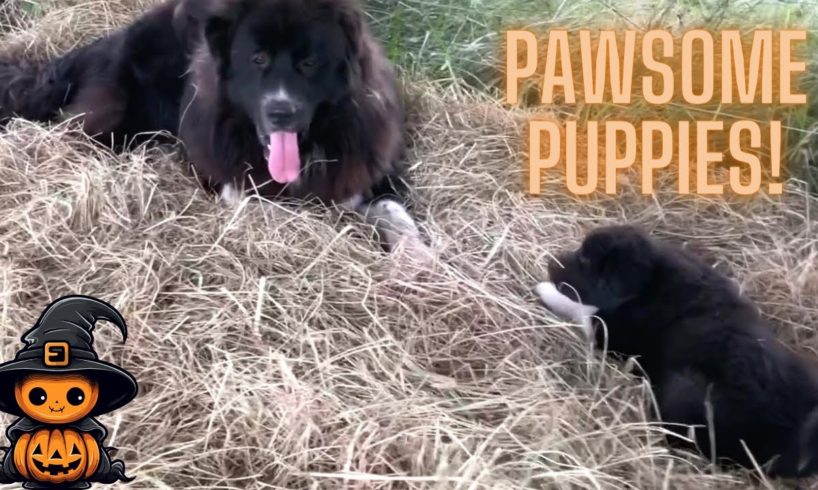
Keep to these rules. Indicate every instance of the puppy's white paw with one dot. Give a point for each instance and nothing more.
(565, 307)
(548, 293)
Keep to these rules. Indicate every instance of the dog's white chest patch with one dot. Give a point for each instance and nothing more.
(230, 194)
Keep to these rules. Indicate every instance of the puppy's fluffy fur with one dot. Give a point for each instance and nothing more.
(708, 354)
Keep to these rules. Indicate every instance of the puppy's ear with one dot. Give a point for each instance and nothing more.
(629, 251)
(622, 258)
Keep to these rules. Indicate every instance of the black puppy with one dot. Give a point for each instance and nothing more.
(712, 361)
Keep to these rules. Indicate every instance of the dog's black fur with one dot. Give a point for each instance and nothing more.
(187, 68)
(124, 86)
(701, 345)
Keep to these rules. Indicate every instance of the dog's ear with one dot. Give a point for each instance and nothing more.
(353, 27)
(622, 259)
(629, 250)
(352, 24)
(186, 23)
(211, 21)
(192, 22)
(217, 34)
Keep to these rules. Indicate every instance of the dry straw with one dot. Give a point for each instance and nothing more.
(277, 347)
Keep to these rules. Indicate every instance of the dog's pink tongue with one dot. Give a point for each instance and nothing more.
(284, 161)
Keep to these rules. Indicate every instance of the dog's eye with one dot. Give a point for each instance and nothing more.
(307, 64)
(260, 59)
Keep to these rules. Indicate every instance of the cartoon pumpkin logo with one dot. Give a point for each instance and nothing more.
(57, 385)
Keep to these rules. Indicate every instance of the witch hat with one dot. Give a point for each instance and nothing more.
(61, 343)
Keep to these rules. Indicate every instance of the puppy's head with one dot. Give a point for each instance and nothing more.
(612, 266)
(279, 61)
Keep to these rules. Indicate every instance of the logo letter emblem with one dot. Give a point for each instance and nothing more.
(57, 354)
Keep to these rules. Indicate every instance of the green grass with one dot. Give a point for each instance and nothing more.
(459, 42)
(450, 41)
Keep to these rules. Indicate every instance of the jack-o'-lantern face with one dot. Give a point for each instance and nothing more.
(56, 456)
(56, 399)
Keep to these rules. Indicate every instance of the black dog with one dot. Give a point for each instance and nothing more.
(280, 97)
(712, 361)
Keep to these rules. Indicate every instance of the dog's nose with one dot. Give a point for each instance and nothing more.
(280, 112)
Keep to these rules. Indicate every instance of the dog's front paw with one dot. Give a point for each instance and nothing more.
(548, 293)
(563, 306)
